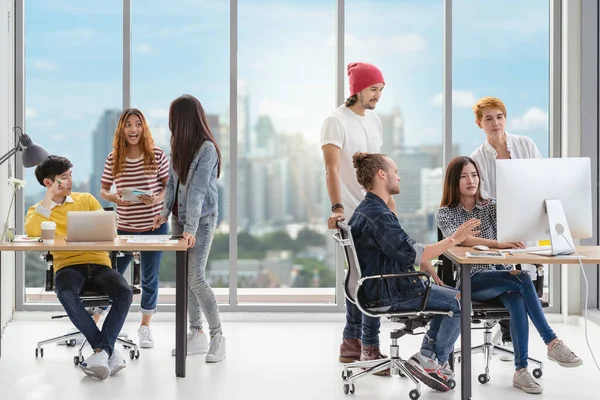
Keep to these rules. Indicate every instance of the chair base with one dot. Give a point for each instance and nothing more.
(70, 338)
(394, 363)
(488, 348)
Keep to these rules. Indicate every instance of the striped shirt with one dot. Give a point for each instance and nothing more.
(137, 217)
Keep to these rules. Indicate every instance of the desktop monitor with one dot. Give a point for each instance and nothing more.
(544, 198)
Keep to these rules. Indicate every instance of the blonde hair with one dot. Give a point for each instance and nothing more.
(487, 102)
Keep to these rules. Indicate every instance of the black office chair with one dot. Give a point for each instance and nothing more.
(89, 298)
(487, 314)
(411, 320)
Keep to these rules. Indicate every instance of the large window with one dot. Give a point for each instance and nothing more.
(73, 68)
(183, 48)
(284, 73)
(502, 52)
(404, 39)
(286, 90)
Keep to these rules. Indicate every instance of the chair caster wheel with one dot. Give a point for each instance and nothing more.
(414, 394)
(452, 384)
(538, 373)
(39, 352)
(77, 360)
(483, 378)
(346, 374)
(401, 374)
(349, 388)
(71, 343)
(134, 354)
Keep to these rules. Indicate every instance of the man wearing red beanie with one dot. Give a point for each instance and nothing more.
(353, 127)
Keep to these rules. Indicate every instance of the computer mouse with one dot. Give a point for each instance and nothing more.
(481, 247)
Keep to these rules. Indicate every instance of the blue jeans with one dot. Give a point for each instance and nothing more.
(443, 330)
(150, 261)
(200, 295)
(360, 326)
(70, 281)
(517, 293)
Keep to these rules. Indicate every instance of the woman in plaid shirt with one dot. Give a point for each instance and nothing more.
(461, 201)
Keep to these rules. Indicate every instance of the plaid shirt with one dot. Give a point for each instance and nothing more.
(449, 219)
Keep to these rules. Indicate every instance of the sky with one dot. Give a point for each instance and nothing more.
(286, 62)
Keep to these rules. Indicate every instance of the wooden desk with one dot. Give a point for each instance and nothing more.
(590, 255)
(121, 245)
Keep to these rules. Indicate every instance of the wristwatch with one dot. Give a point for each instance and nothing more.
(337, 205)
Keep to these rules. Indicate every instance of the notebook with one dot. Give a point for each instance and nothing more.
(91, 226)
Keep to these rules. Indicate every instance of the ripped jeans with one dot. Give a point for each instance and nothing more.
(443, 330)
(517, 293)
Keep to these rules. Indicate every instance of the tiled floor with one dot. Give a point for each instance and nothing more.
(267, 359)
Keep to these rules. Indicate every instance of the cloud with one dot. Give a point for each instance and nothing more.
(349, 40)
(534, 119)
(278, 109)
(460, 98)
(405, 43)
(72, 115)
(408, 43)
(31, 113)
(145, 48)
(158, 113)
(45, 65)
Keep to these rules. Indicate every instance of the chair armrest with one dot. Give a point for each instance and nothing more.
(427, 282)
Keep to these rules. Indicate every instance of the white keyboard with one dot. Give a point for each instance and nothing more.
(526, 249)
(485, 254)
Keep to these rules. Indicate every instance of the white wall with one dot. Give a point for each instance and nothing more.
(6, 143)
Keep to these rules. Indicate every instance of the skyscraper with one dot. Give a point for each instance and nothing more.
(393, 131)
(102, 139)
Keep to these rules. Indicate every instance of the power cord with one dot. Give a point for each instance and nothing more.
(560, 230)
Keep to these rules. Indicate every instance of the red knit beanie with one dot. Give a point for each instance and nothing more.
(362, 75)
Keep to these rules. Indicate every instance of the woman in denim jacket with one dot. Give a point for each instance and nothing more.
(191, 198)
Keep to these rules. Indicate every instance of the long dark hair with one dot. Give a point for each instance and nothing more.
(189, 130)
(451, 193)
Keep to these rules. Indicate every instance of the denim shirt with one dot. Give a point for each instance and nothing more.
(383, 247)
(196, 198)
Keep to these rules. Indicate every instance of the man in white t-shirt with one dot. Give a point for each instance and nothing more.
(353, 127)
(490, 116)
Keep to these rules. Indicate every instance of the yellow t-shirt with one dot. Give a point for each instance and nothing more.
(58, 214)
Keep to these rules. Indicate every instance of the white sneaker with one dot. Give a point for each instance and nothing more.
(96, 365)
(145, 336)
(507, 356)
(523, 380)
(116, 362)
(197, 343)
(216, 352)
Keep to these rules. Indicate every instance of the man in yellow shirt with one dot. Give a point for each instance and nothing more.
(73, 270)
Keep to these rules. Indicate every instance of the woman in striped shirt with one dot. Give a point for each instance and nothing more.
(135, 163)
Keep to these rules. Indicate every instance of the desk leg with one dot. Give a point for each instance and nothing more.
(465, 332)
(180, 312)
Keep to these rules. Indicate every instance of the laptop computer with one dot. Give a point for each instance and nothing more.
(91, 226)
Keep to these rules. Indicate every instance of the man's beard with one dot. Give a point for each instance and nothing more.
(393, 189)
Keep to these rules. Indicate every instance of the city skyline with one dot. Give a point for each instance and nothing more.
(74, 74)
